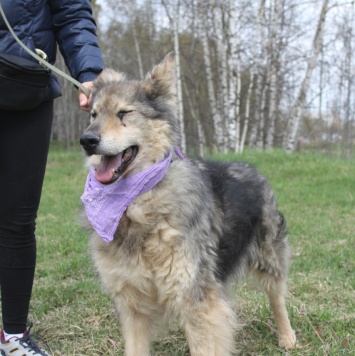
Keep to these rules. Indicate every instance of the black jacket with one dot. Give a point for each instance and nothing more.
(43, 24)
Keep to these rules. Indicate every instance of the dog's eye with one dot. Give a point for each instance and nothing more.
(93, 114)
(121, 114)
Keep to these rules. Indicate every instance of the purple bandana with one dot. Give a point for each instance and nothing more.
(105, 204)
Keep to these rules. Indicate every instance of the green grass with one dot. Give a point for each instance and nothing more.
(75, 317)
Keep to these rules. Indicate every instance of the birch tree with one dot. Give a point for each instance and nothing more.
(347, 38)
(247, 110)
(273, 76)
(151, 32)
(216, 117)
(234, 82)
(221, 40)
(297, 110)
(260, 55)
(176, 17)
(138, 51)
(200, 133)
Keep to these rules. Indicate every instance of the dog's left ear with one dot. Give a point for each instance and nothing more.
(107, 76)
(161, 81)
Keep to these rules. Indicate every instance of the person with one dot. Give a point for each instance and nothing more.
(24, 145)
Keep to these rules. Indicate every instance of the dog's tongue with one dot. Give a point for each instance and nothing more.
(106, 168)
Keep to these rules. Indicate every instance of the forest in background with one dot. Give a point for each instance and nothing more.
(261, 74)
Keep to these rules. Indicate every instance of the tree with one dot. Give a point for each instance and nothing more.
(176, 17)
(234, 81)
(216, 117)
(297, 110)
(243, 77)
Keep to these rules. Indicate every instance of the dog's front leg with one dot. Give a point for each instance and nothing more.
(210, 328)
(136, 333)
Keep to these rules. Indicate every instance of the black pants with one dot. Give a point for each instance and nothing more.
(24, 143)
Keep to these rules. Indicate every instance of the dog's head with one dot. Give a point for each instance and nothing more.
(133, 123)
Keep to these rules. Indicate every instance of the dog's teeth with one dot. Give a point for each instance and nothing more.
(114, 172)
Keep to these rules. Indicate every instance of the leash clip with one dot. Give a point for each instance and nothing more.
(43, 55)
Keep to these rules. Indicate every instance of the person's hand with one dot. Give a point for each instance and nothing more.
(85, 102)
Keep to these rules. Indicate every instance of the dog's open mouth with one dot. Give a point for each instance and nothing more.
(113, 167)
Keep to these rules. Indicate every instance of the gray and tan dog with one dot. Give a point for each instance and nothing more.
(178, 244)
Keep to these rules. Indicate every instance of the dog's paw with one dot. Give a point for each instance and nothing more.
(287, 341)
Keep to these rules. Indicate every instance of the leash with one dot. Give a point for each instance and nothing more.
(41, 60)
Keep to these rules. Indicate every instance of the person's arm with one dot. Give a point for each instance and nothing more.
(75, 31)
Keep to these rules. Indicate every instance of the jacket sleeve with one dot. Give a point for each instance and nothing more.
(75, 31)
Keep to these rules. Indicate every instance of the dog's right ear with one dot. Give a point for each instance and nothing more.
(161, 81)
(107, 76)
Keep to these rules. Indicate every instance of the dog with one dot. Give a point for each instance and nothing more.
(178, 244)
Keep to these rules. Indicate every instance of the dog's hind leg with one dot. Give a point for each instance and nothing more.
(270, 269)
(210, 326)
(276, 289)
(276, 294)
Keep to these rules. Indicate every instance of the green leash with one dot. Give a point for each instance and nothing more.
(42, 61)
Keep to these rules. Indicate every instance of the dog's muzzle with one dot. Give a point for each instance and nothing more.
(89, 142)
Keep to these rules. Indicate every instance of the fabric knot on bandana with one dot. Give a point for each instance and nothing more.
(105, 204)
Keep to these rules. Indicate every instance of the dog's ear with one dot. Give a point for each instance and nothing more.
(107, 76)
(161, 81)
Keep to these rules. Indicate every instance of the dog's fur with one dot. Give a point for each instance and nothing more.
(179, 244)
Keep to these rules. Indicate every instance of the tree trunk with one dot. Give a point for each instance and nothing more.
(67, 118)
(151, 32)
(200, 133)
(272, 55)
(176, 17)
(349, 79)
(138, 52)
(297, 110)
(222, 62)
(260, 139)
(216, 117)
(254, 140)
(247, 111)
(253, 136)
(234, 82)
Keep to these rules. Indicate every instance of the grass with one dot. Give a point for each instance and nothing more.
(75, 317)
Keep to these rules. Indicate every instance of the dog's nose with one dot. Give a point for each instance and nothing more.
(89, 142)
